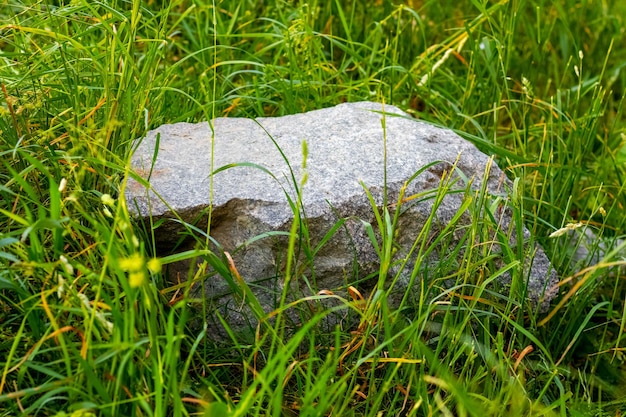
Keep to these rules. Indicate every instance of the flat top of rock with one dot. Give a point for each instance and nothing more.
(345, 145)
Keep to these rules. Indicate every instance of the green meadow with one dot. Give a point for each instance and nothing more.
(90, 325)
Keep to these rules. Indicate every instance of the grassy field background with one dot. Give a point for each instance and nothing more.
(88, 324)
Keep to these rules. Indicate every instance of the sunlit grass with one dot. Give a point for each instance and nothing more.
(88, 322)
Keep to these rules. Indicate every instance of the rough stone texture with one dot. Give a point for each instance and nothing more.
(345, 145)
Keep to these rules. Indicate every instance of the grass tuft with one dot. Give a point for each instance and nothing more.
(89, 324)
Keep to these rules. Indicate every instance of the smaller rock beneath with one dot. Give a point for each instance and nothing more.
(586, 248)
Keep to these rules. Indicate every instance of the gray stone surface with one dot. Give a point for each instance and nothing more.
(586, 248)
(345, 146)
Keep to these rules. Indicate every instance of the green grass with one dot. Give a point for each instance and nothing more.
(88, 324)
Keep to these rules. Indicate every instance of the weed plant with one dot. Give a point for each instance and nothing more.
(90, 326)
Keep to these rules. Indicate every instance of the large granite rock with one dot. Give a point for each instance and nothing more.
(346, 146)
